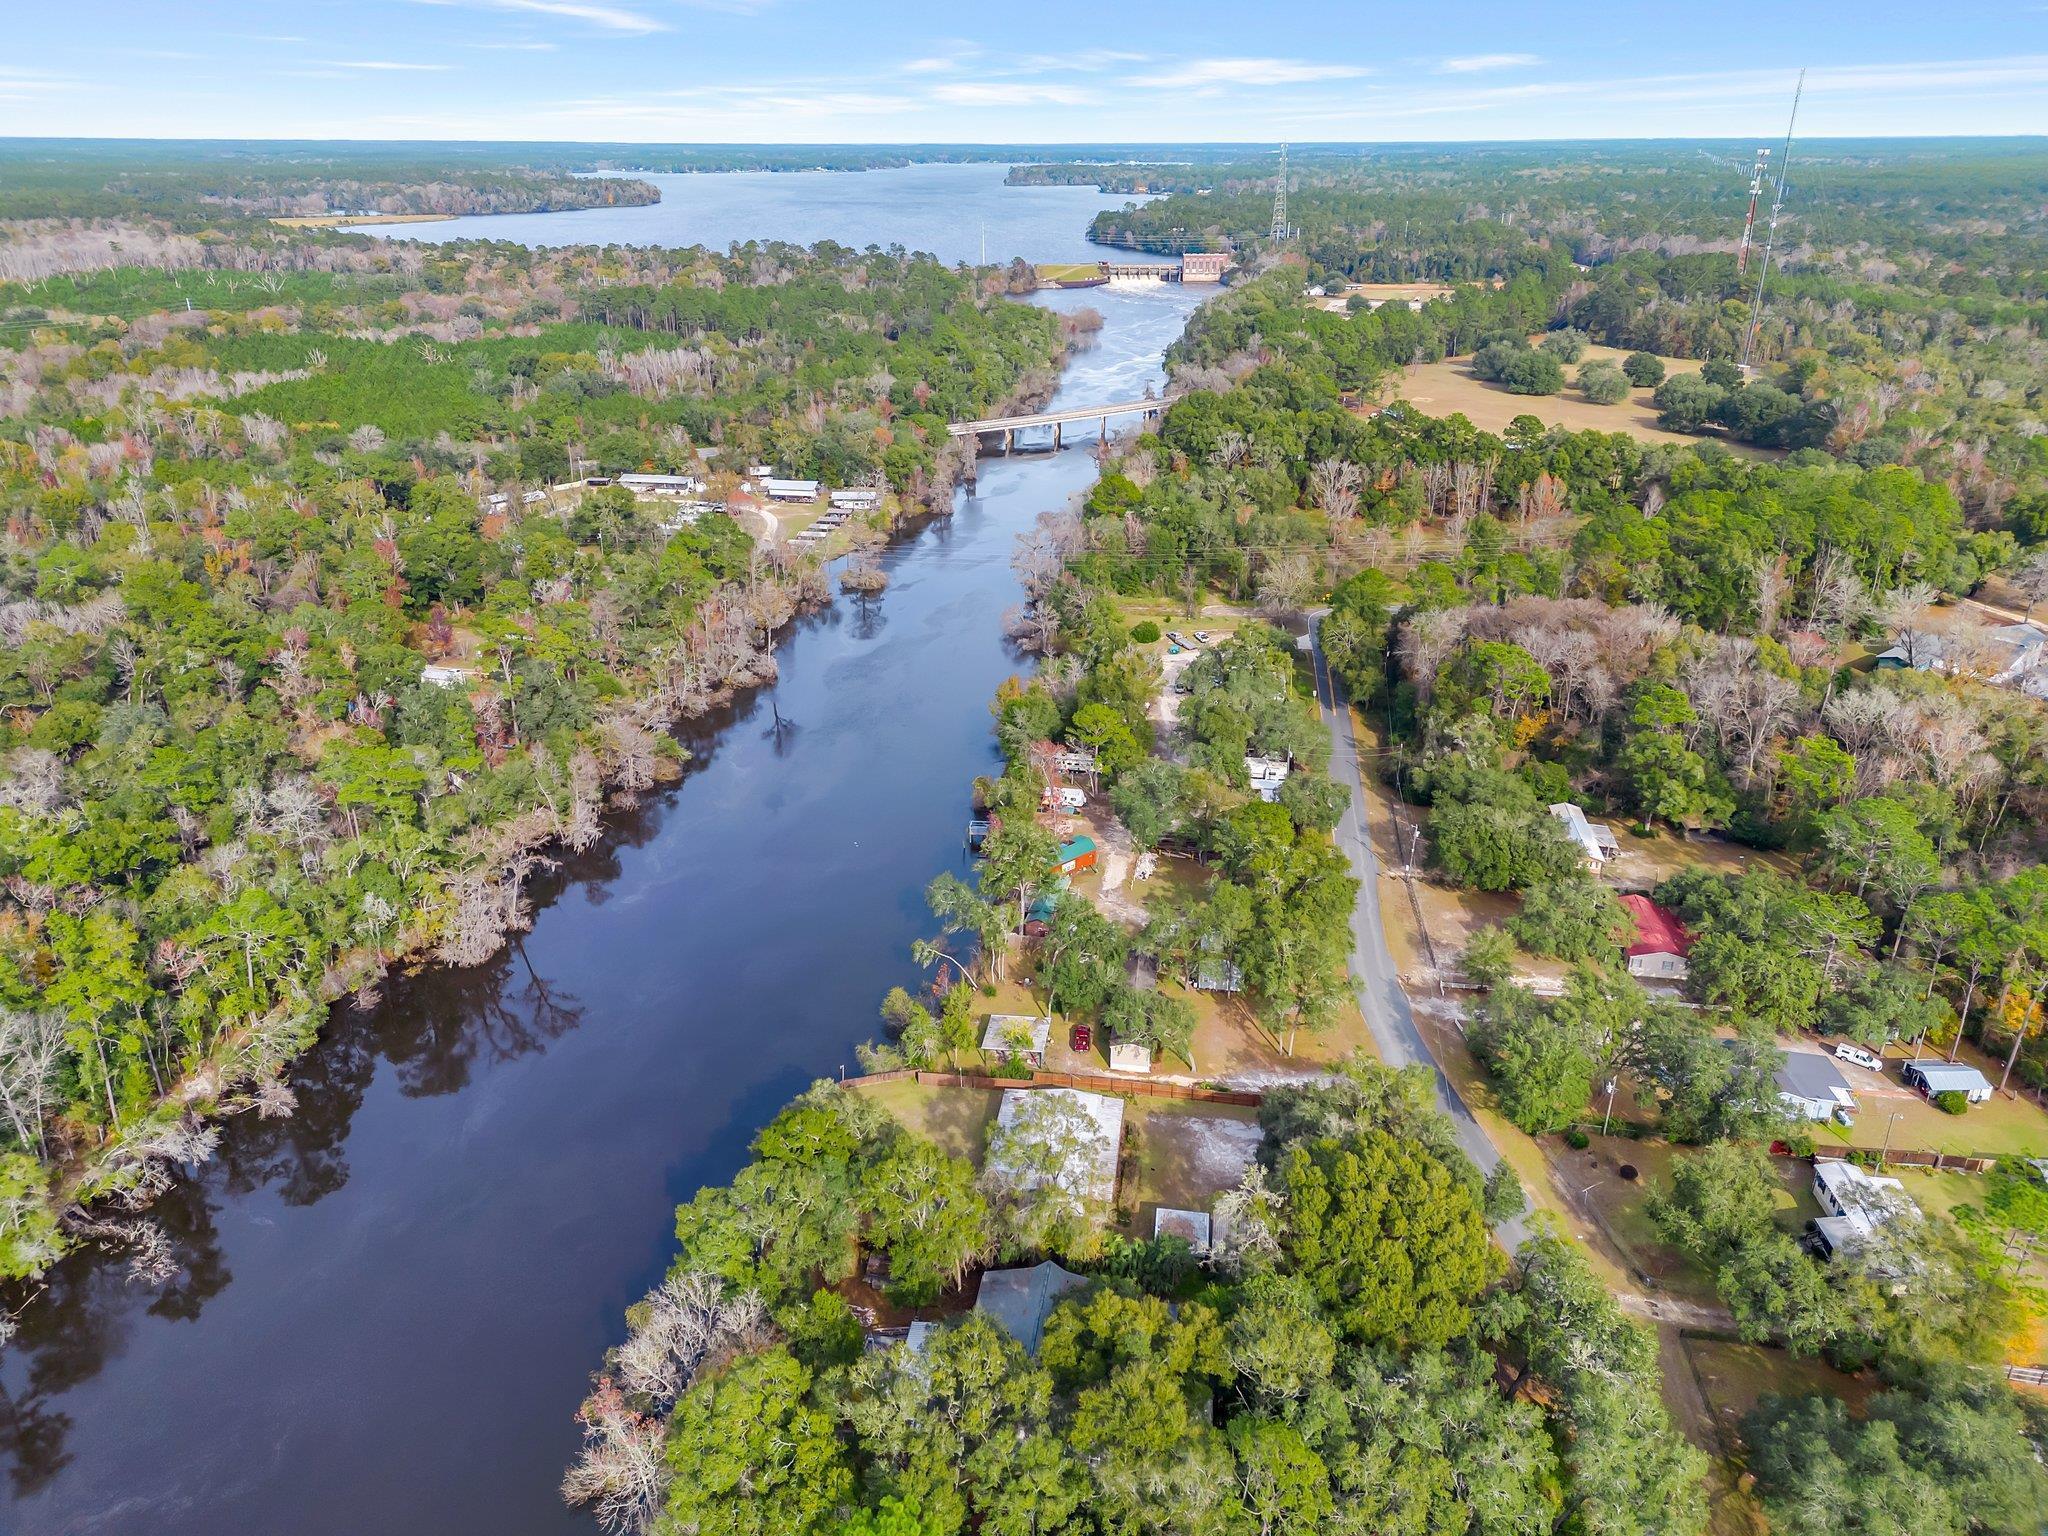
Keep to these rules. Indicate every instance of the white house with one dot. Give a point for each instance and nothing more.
(1020, 1034)
(439, 676)
(857, 498)
(1267, 775)
(1932, 1077)
(663, 485)
(1595, 839)
(1857, 1204)
(790, 490)
(1811, 1088)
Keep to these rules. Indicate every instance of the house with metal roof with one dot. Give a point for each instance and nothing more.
(1661, 943)
(1857, 1204)
(1032, 1120)
(1595, 840)
(1020, 1300)
(1932, 1077)
(1811, 1088)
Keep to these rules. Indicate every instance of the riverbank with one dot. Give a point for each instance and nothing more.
(484, 1162)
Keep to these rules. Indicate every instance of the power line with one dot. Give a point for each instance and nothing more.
(1756, 306)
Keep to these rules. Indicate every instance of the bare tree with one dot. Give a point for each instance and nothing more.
(32, 1055)
(2031, 578)
(1335, 485)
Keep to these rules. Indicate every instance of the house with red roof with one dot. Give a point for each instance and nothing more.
(1661, 942)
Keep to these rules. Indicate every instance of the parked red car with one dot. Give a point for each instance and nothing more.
(1081, 1038)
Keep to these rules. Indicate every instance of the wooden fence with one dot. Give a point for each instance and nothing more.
(1945, 1162)
(1127, 1087)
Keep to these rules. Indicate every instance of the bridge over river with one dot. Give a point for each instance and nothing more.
(1009, 426)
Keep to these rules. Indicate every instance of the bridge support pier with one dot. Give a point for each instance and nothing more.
(1055, 437)
(1009, 440)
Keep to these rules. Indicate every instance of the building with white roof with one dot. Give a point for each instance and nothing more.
(1018, 1034)
(1595, 840)
(1857, 1204)
(1058, 1136)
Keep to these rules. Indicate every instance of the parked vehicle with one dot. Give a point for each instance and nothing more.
(1203, 637)
(1081, 1038)
(1857, 1056)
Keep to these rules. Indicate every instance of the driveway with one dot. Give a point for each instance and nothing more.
(1388, 1013)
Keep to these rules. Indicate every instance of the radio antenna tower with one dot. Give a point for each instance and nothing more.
(1757, 178)
(1279, 232)
(1756, 304)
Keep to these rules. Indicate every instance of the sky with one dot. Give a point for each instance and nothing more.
(851, 71)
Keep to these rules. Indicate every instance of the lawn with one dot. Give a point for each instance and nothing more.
(957, 1119)
(1735, 1377)
(1447, 387)
(1889, 1113)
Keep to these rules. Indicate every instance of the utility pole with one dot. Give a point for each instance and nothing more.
(1756, 305)
(1279, 231)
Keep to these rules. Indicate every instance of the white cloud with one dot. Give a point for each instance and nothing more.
(513, 47)
(931, 66)
(1209, 72)
(1009, 93)
(1476, 63)
(393, 65)
(606, 18)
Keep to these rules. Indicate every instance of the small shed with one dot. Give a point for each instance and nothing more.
(1077, 855)
(1661, 942)
(1192, 1226)
(1932, 1077)
(1267, 775)
(1128, 1056)
(435, 675)
(1018, 1034)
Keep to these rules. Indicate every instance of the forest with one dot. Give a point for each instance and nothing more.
(317, 642)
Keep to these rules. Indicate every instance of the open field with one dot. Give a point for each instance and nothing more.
(1447, 387)
(1068, 271)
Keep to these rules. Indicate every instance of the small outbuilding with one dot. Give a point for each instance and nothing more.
(1077, 855)
(436, 675)
(1018, 1034)
(1126, 1056)
(1932, 1077)
(1190, 1226)
(1661, 943)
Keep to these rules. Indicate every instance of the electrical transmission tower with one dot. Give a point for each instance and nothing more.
(1757, 178)
(1756, 304)
(1279, 232)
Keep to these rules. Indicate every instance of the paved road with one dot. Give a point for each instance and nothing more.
(1388, 1013)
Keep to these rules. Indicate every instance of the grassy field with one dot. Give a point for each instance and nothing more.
(1447, 387)
(1068, 271)
(2002, 1127)
(956, 1118)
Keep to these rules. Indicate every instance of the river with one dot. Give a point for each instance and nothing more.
(392, 1301)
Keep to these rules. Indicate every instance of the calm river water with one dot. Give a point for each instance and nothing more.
(392, 1302)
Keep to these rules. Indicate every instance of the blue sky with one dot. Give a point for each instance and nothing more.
(1051, 70)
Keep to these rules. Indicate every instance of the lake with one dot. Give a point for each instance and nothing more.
(392, 1301)
(948, 210)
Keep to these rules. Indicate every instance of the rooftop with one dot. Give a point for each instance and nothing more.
(1943, 1075)
(1658, 930)
(1003, 1028)
(1020, 1300)
(1810, 1075)
(1089, 1172)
